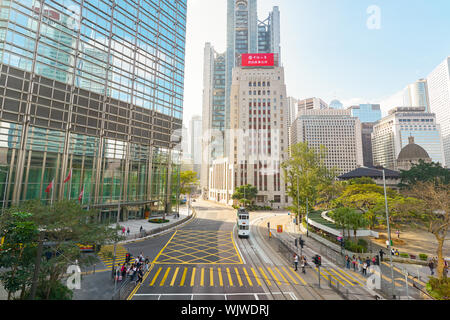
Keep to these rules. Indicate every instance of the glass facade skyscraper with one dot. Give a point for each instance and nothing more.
(94, 87)
(366, 112)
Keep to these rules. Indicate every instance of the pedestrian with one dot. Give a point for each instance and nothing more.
(147, 263)
(396, 252)
(295, 261)
(347, 262)
(128, 231)
(381, 254)
(364, 268)
(445, 268)
(374, 260)
(140, 275)
(359, 263)
(303, 264)
(393, 251)
(123, 270)
(123, 231)
(354, 263)
(431, 266)
(133, 270)
(398, 234)
(141, 229)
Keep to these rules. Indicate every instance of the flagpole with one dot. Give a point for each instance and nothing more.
(53, 187)
(70, 184)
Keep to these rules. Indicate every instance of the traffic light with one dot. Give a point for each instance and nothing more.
(317, 260)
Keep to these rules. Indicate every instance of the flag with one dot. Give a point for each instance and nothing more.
(81, 195)
(69, 176)
(49, 187)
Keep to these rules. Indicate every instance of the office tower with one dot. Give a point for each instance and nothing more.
(312, 103)
(185, 143)
(366, 112)
(258, 138)
(196, 130)
(242, 37)
(213, 117)
(416, 95)
(336, 104)
(293, 109)
(337, 130)
(439, 95)
(269, 34)
(392, 133)
(89, 88)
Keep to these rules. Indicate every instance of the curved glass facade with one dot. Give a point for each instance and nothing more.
(95, 86)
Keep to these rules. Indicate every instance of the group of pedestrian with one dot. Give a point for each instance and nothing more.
(127, 231)
(360, 264)
(133, 268)
(303, 263)
(432, 264)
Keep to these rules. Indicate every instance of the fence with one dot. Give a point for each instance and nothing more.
(124, 289)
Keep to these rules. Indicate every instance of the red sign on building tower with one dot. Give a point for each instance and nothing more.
(257, 60)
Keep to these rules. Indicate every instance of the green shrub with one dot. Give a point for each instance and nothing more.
(404, 255)
(423, 257)
(439, 289)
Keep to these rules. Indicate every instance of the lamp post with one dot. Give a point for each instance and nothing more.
(389, 234)
(5, 189)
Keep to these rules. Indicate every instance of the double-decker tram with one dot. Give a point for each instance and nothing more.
(243, 223)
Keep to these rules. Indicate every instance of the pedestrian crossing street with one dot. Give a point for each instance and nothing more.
(107, 252)
(245, 276)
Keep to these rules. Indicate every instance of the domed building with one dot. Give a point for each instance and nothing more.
(410, 155)
(336, 104)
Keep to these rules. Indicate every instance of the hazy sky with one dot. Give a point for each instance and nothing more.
(329, 51)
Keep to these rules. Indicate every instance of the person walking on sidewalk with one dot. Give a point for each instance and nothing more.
(303, 264)
(128, 231)
(381, 255)
(296, 261)
(431, 266)
(354, 263)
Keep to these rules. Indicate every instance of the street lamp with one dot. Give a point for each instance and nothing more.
(389, 233)
(5, 189)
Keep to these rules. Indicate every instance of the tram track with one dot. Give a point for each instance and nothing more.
(258, 257)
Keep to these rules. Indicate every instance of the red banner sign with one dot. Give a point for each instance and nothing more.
(257, 60)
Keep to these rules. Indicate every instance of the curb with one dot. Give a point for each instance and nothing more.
(169, 229)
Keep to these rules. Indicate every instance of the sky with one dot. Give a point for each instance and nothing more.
(356, 51)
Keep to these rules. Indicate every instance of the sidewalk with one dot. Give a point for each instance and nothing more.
(148, 227)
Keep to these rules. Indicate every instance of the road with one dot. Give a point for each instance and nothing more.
(205, 260)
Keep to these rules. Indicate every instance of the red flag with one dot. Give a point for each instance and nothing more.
(69, 176)
(49, 187)
(81, 195)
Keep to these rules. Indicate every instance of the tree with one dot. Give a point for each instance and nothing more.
(188, 179)
(306, 169)
(245, 194)
(18, 250)
(424, 172)
(432, 215)
(64, 226)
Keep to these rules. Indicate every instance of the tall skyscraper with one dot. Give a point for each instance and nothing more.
(245, 34)
(337, 130)
(259, 138)
(416, 95)
(439, 94)
(213, 117)
(366, 112)
(392, 133)
(94, 88)
(196, 129)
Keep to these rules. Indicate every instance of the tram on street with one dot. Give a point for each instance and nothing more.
(243, 223)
